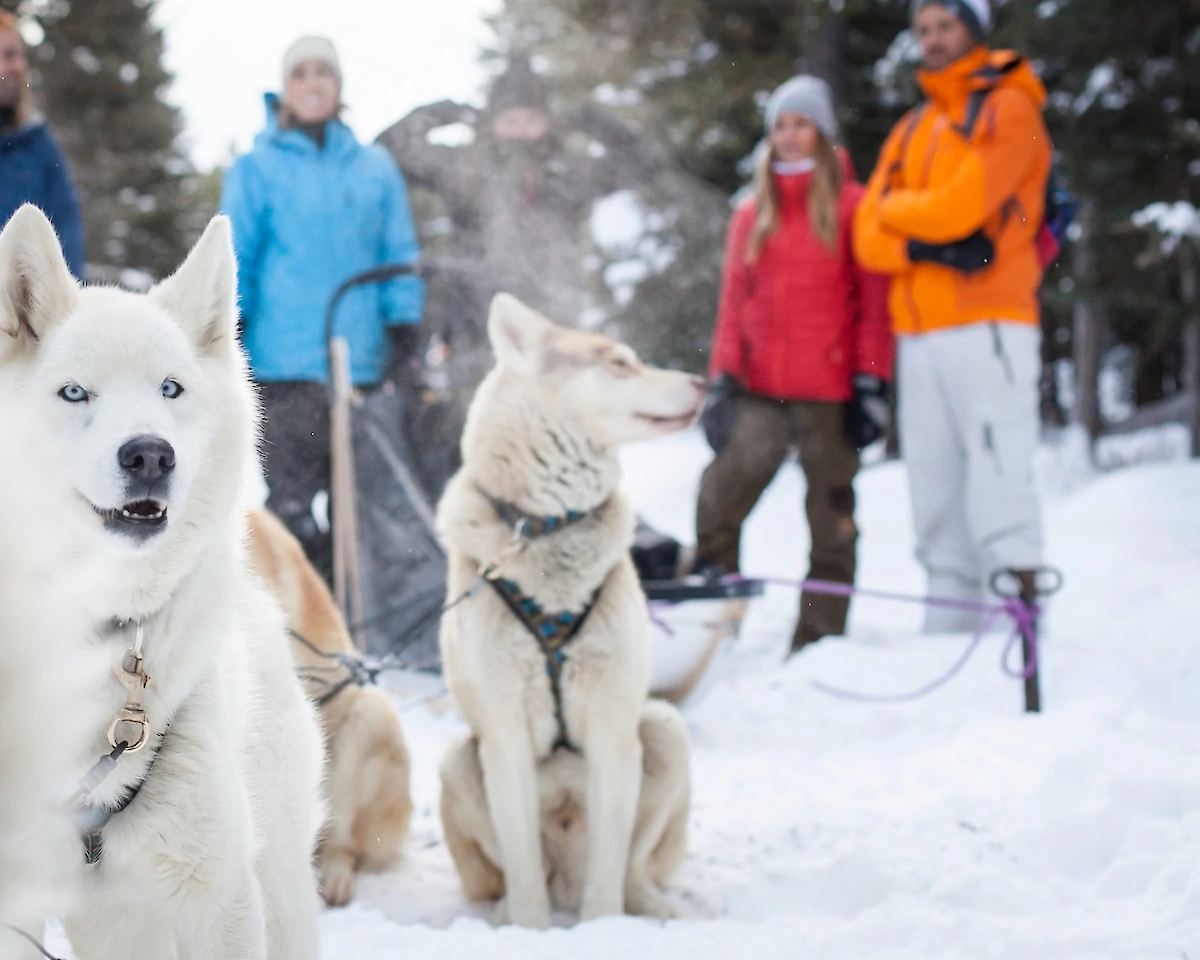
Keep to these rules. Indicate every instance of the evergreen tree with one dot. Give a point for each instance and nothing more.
(99, 78)
(1124, 113)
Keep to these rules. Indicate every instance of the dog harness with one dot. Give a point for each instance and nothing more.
(552, 631)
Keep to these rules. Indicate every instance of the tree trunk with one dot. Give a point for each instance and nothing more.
(1191, 342)
(825, 56)
(1087, 325)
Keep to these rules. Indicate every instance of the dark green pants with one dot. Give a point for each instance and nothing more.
(765, 431)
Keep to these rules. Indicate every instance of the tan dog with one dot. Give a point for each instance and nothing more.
(573, 788)
(368, 782)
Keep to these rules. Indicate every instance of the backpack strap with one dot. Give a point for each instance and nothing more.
(975, 102)
(914, 118)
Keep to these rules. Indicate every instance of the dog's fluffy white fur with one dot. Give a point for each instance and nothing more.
(51, 591)
(528, 825)
(213, 858)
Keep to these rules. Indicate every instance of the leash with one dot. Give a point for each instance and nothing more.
(552, 632)
(1023, 614)
(91, 820)
(361, 673)
(524, 528)
(37, 945)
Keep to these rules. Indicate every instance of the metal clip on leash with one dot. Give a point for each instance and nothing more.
(132, 675)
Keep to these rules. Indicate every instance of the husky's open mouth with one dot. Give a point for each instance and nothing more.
(139, 518)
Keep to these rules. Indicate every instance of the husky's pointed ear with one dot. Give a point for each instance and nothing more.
(201, 296)
(36, 288)
(517, 332)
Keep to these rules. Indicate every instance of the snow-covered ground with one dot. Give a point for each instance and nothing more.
(954, 826)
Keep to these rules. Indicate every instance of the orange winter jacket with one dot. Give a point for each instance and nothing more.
(934, 185)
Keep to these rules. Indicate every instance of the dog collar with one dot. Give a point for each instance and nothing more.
(530, 527)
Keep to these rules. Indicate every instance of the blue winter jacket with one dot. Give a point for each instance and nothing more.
(304, 219)
(33, 170)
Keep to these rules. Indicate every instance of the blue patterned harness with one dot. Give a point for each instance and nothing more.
(552, 631)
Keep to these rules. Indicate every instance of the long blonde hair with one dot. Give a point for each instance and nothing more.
(823, 194)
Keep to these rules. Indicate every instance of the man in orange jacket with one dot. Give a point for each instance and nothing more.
(951, 213)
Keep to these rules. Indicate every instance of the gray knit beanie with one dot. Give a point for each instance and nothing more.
(808, 96)
(311, 48)
(976, 14)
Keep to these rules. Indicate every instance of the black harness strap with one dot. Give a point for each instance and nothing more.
(91, 821)
(993, 75)
(552, 631)
(895, 171)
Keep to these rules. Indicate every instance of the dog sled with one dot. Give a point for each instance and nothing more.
(392, 451)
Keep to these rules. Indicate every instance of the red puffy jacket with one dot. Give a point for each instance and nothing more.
(800, 322)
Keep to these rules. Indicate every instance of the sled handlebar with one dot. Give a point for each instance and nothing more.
(380, 274)
(389, 271)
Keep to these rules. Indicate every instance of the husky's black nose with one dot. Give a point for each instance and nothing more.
(147, 458)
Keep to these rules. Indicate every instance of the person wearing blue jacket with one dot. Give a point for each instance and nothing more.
(32, 167)
(310, 207)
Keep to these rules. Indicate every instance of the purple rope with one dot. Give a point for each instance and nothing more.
(1022, 615)
(658, 621)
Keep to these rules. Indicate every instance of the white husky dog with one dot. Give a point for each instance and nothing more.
(52, 592)
(200, 842)
(573, 789)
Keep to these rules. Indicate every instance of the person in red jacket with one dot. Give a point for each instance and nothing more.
(802, 353)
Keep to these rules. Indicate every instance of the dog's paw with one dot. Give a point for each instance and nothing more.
(337, 882)
(644, 901)
(596, 907)
(535, 916)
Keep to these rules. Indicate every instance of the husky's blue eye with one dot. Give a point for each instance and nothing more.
(171, 389)
(73, 393)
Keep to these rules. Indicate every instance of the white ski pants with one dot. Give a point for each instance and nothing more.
(968, 417)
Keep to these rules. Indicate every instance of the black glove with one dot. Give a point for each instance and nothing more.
(970, 255)
(869, 414)
(405, 339)
(720, 411)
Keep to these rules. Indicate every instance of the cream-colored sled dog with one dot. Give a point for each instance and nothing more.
(573, 789)
(368, 782)
(198, 842)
